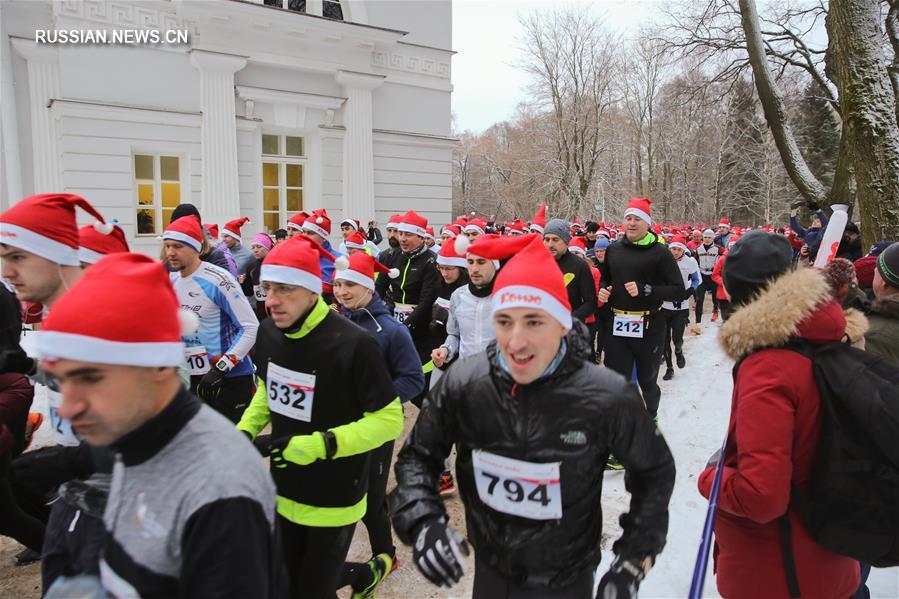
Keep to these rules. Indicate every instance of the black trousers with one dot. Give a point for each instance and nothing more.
(314, 557)
(72, 545)
(623, 353)
(675, 324)
(490, 584)
(234, 396)
(707, 285)
(377, 516)
(14, 521)
(726, 309)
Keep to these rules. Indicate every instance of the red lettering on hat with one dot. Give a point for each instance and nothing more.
(508, 297)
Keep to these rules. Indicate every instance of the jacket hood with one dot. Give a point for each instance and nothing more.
(887, 307)
(797, 304)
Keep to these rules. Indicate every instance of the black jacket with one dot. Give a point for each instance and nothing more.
(374, 235)
(650, 264)
(417, 285)
(575, 416)
(581, 290)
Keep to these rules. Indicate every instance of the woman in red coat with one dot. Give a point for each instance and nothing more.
(774, 425)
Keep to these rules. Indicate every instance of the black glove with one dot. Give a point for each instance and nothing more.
(16, 360)
(621, 581)
(438, 553)
(48, 467)
(263, 444)
(210, 385)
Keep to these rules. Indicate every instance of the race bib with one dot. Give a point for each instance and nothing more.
(519, 488)
(290, 393)
(402, 311)
(63, 433)
(197, 360)
(628, 325)
(259, 293)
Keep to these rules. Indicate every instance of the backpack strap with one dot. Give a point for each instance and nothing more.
(786, 546)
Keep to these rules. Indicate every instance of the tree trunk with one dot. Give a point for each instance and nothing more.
(855, 57)
(775, 110)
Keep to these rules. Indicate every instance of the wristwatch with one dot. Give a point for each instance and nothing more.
(225, 364)
(330, 444)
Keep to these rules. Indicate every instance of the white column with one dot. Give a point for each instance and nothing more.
(220, 193)
(358, 162)
(43, 86)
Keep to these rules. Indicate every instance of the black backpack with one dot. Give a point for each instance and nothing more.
(853, 504)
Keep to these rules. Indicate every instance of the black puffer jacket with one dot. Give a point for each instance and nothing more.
(651, 264)
(575, 416)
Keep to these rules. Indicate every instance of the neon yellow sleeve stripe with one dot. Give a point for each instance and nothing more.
(369, 432)
(256, 417)
(310, 515)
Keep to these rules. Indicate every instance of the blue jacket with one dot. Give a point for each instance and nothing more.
(326, 265)
(395, 340)
(811, 237)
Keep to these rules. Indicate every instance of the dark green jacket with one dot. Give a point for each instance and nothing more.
(882, 337)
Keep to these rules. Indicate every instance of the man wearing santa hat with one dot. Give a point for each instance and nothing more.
(170, 494)
(318, 227)
(642, 274)
(217, 353)
(677, 313)
(231, 239)
(533, 422)
(325, 389)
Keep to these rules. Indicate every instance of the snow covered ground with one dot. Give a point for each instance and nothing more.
(693, 417)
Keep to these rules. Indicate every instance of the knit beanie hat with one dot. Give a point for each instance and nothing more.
(144, 329)
(559, 227)
(840, 273)
(888, 265)
(263, 240)
(602, 243)
(754, 261)
(182, 210)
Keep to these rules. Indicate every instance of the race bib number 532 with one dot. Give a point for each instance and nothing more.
(524, 489)
(290, 393)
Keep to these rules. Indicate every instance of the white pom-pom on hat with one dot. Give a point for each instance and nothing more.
(460, 244)
(104, 228)
(319, 220)
(342, 263)
(189, 322)
(393, 273)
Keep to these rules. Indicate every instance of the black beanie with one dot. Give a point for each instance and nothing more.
(888, 265)
(182, 210)
(753, 262)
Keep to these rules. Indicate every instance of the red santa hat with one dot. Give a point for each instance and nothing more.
(351, 222)
(516, 227)
(318, 222)
(578, 245)
(45, 225)
(361, 269)
(724, 222)
(93, 245)
(393, 222)
(296, 221)
(679, 241)
(414, 223)
(232, 227)
(539, 222)
(478, 225)
(639, 207)
(356, 241)
(297, 261)
(429, 232)
(186, 230)
(577, 224)
(530, 279)
(452, 230)
(213, 230)
(448, 255)
(144, 329)
(603, 233)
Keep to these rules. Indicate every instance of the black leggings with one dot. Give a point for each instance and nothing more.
(14, 522)
(314, 557)
(675, 324)
(377, 518)
(623, 353)
(490, 584)
(707, 285)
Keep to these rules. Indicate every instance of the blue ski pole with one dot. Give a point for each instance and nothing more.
(705, 545)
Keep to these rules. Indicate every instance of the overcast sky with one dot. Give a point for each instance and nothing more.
(487, 86)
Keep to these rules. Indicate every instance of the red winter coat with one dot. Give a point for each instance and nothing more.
(772, 438)
(718, 278)
(16, 394)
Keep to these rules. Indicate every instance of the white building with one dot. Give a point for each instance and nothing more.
(262, 112)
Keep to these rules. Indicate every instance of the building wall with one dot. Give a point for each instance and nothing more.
(429, 22)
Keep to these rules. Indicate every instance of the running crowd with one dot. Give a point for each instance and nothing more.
(531, 350)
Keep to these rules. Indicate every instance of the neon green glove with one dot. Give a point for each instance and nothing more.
(300, 449)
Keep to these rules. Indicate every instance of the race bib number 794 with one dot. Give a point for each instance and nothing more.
(519, 488)
(290, 393)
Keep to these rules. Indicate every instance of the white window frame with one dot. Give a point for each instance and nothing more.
(157, 182)
(282, 160)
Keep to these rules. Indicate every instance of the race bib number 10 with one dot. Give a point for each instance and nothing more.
(290, 393)
(197, 360)
(519, 488)
(628, 325)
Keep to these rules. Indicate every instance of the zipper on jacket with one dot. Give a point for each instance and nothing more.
(115, 489)
(403, 282)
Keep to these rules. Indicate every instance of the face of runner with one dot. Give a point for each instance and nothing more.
(180, 256)
(635, 227)
(480, 271)
(352, 251)
(409, 242)
(430, 242)
(351, 296)
(321, 240)
(259, 251)
(600, 255)
(229, 241)
(723, 230)
(291, 232)
(347, 230)
(36, 279)
(677, 253)
(529, 340)
(450, 274)
(556, 245)
(106, 402)
(708, 240)
(880, 287)
(444, 237)
(287, 303)
(472, 235)
(591, 235)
